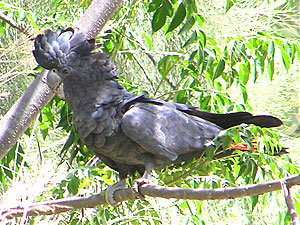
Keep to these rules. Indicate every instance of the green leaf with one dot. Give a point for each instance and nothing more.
(219, 69)
(285, 60)
(178, 18)
(219, 99)
(205, 101)
(255, 74)
(188, 25)
(166, 64)
(244, 94)
(229, 4)
(73, 185)
(192, 55)
(252, 45)
(202, 38)
(260, 62)
(32, 19)
(200, 54)
(191, 40)
(84, 3)
(271, 50)
(167, 6)
(44, 129)
(290, 51)
(181, 96)
(254, 201)
(154, 5)
(244, 73)
(148, 41)
(73, 138)
(211, 53)
(297, 49)
(200, 20)
(242, 169)
(271, 68)
(159, 19)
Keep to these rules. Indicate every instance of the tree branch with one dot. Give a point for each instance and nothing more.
(38, 94)
(63, 205)
(289, 202)
(12, 23)
(96, 16)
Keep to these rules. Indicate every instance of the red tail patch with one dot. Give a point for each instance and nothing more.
(243, 147)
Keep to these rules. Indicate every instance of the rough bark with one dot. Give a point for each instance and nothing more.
(96, 16)
(38, 94)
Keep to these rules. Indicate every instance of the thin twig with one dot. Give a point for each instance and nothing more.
(289, 202)
(14, 24)
(186, 173)
(144, 71)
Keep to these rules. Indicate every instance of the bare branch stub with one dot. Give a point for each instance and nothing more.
(289, 202)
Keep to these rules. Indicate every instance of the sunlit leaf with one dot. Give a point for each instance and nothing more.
(73, 184)
(285, 60)
(205, 101)
(154, 5)
(44, 129)
(159, 19)
(148, 41)
(200, 54)
(271, 68)
(202, 38)
(219, 69)
(255, 73)
(178, 18)
(192, 55)
(181, 96)
(167, 6)
(229, 4)
(244, 94)
(188, 25)
(271, 50)
(254, 201)
(200, 20)
(244, 73)
(297, 49)
(191, 40)
(84, 3)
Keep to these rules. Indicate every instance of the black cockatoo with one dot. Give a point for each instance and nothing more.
(129, 133)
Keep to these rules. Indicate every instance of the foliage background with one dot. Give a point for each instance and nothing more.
(223, 56)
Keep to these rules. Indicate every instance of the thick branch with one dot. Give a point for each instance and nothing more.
(59, 206)
(96, 16)
(38, 94)
(19, 117)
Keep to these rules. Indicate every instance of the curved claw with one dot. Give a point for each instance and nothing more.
(137, 184)
(109, 194)
(145, 179)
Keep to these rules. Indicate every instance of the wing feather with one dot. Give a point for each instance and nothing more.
(166, 132)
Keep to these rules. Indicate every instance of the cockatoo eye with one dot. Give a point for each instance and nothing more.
(65, 71)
